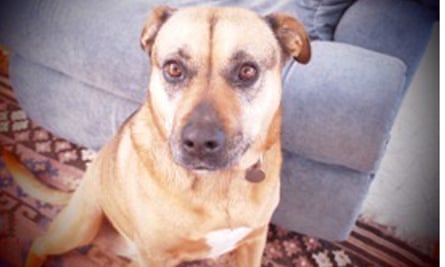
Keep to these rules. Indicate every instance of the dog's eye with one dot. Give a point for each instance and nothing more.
(173, 71)
(247, 72)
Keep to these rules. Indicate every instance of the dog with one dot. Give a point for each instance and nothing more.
(194, 172)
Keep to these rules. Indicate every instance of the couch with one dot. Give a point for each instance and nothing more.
(77, 69)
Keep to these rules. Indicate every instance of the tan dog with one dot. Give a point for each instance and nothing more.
(194, 173)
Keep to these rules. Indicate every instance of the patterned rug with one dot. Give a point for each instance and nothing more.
(61, 164)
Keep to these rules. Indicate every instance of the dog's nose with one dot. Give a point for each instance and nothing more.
(203, 135)
(202, 140)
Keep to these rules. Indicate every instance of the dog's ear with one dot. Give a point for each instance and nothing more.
(291, 35)
(158, 16)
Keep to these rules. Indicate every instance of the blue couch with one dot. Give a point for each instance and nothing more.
(77, 70)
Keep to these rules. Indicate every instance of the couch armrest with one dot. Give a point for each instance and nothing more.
(399, 28)
(339, 108)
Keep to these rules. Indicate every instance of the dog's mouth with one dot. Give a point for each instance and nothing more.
(222, 158)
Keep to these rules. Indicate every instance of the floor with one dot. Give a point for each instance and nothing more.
(405, 193)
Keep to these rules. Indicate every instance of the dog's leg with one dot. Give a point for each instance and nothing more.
(250, 253)
(76, 225)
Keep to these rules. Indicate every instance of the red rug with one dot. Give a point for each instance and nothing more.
(61, 164)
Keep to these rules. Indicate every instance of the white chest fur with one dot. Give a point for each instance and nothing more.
(224, 240)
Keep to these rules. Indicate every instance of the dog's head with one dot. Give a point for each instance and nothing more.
(215, 85)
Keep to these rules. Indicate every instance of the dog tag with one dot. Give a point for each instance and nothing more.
(255, 175)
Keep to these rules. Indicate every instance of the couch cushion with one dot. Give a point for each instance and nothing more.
(70, 109)
(96, 42)
(339, 109)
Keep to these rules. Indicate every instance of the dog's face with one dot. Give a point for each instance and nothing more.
(215, 83)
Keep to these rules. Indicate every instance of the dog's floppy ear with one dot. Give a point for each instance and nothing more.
(291, 35)
(158, 16)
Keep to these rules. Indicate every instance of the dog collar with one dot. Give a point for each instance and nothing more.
(255, 174)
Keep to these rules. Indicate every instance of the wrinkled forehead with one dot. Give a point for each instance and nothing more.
(220, 33)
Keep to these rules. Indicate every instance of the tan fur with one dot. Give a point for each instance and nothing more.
(163, 210)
